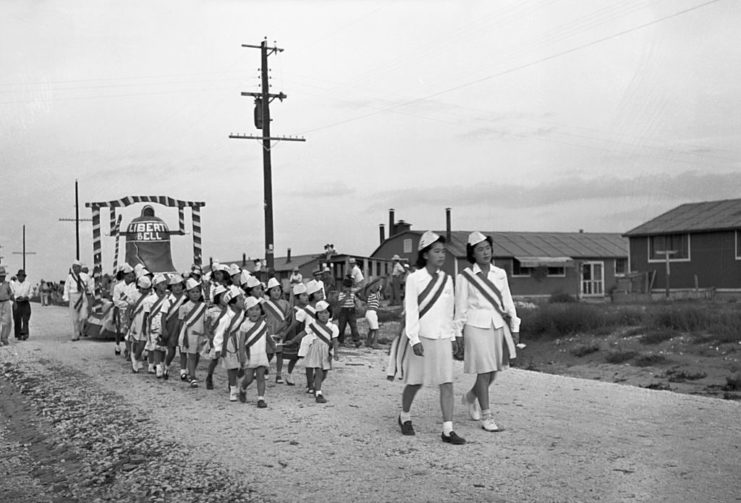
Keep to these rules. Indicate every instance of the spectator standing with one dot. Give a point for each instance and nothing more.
(44, 292)
(22, 306)
(353, 271)
(397, 275)
(346, 300)
(76, 290)
(6, 299)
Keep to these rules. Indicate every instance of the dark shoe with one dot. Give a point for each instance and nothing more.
(453, 438)
(193, 383)
(310, 390)
(278, 380)
(183, 376)
(261, 404)
(321, 399)
(242, 395)
(406, 427)
(209, 382)
(165, 375)
(117, 351)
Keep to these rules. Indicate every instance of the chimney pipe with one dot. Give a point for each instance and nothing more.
(288, 256)
(244, 260)
(448, 231)
(381, 233)
(391, 222)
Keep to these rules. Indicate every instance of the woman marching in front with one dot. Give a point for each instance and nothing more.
(485, 315)
(429, 305)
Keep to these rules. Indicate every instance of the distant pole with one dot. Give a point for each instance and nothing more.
(667, 254)
(76, 220)
(24, 252)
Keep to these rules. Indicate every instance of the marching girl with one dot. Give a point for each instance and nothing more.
(295, 331)
(315, 292)
(253, 333)
(486, 317)
(122, 292)
(253, 287)
(137, 334)
(214, 315)
(373, 302)
(429, 305)
(226, 338)
(177, 297)
(319, 346)
(156, 337)
(192, 327)
(278, 317)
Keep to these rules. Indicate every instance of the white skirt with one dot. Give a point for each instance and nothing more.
(372, 317)
(317, 356)
(432, 369)
(484, 350)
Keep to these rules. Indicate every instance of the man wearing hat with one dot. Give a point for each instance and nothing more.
(354, 273)
(6, 299)
(22, 306)
(397, 274)
(77, 287)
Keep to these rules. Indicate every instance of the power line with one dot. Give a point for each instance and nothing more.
(517, 68)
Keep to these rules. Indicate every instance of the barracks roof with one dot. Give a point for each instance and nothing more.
(694, 217)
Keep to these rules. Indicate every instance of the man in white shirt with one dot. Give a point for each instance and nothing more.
(6, 310)
(397, 274)
(353, 271)
(76, 290)
(22, 306)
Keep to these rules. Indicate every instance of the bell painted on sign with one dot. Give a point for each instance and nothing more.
(148, 242)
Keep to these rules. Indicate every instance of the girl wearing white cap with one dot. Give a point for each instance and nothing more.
(278, 317)
(157, 307)
(214, 316)
(137, 334)
(122, 291)
(176, 285)
(226, 338)
(429, 304)
(315, 291)
(192, 327)
(253, 333)
(319, 346)
(295, 331)
(486, 317)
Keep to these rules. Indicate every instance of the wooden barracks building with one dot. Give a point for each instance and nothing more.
(538, 264)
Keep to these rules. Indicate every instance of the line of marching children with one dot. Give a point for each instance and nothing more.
(227, 318)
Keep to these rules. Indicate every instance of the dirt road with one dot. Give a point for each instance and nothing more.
(566, 440)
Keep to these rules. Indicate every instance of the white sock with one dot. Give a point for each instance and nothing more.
(485, 412)
(261, 398)
(405, 416)
(447, 427)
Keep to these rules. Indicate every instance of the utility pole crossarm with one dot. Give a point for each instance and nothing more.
(270, 138)
(280, 96)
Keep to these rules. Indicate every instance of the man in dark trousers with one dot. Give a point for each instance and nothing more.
(22, 305)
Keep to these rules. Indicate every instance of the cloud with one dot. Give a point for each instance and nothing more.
(323, 190)
(682, 187)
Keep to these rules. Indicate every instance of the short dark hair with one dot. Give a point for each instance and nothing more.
(421, 261)
(469, 250)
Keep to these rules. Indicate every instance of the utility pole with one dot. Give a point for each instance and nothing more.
(77, 220)
(24, 252)
(262, 121)
(667, 254)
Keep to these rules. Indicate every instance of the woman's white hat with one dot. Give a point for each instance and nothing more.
(234, 269)
(272, 283)
(159, 278)
(299, 288)
(313, 286)
(427, 239)
(144, 282)
(252, 282)
(475, 238)
(250, 302)
(321, 306)
(175, 279)
(192, 283)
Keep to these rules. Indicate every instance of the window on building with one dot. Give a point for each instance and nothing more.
(557, 271)
(679, 243)
(621, 266)
(407, 245)
(517, 270)
(738, 245)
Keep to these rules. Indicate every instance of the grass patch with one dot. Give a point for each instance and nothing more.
(657, 336)
(649, 360)
(620, 356)
(584, 350)
(680, 375)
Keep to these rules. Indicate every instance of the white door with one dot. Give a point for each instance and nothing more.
(592, 279)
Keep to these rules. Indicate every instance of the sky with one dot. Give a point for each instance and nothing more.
(519, 115)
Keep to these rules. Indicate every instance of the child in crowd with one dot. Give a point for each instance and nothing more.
(373, 302)
(252, 336)
(177, 297)
(316, 293)
(138, 316)
(214, 314)
(192, 327)
(157, 306)
(296, 330)
(123, 291)
(347, 301)
(319, 346)
(278, 317)
(226, 339)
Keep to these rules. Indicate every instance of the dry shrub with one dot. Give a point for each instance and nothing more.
(649, 360)
(657, 336)
(584, 349)
(619, 356)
